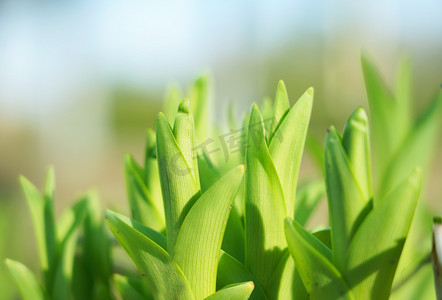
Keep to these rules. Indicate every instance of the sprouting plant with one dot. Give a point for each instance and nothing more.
(213, 226)
(70, 269)
(182, 264)
(401, 142)
(367, 233)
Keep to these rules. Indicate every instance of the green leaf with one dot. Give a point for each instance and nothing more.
(375, 249)
(70, 220)
(207, 170)
(164, 277)
(178, 184)
(184, 132)
(97, 242)
(199, 98)
(151, 234)
(26, 281)
(345, 200)
(231, 271)
(143, 208)
(315, 149)
(281, 106)
(44, 224)
(239, 291)
(195, 253)
(127, 291)
(234, 237)
(265, 208)
(389, 123)
(403, 92)
(267, 115)
(152, 176)
(307, 200)
(287, 145)
(286, 282)
(313, 261)
(356, 141)
(416, 150)
(63, 276)
(173, 98)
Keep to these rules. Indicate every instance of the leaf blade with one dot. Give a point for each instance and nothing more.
(26, 281)
(164, 277)
(286, 146)
(195, 253)
(313, 261)
(265, 208)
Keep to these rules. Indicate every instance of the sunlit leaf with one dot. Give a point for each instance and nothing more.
(239, 291)
(41, 207)
(356, 141)
(345, 200)
(195, 252)
(287, 145)
(388, 122)
(165, 278)
(178, 184)
(173, 98)
(143, 208)
(375, 249)
(199, 98)
(231, 271)
(265, 208)
(417, 148)
(281, 106)
(26, 281)
(313, 261)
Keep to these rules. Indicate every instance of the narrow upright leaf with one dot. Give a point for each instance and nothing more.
(375, 249)
(287, 145)
(345, 199)
(44, 225)
(356, 141)
(265, 208)
(199, 98)
(164, 277)
(26, 281)
(281, 106)
(152, 177)
(387, 122)
(184, 132)
(142, 205)
(63, 276)
(177, 181)
(313, 261)
(417, 148)
(195, 252)
(173, 98)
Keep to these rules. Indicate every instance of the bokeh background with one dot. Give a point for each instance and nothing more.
(80, 81)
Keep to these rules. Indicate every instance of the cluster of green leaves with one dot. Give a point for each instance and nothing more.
(367, 233)
(401, 142)
(72, 269)
(208, 226)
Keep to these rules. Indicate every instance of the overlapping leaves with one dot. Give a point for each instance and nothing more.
(367, 234)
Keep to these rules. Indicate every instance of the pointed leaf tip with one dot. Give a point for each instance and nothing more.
(184, 106)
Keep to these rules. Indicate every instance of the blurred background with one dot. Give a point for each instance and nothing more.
(80, 81)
